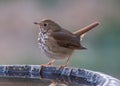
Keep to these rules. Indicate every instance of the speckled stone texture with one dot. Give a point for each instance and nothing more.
(67, 74)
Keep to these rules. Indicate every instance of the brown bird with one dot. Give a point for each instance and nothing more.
(59, 43)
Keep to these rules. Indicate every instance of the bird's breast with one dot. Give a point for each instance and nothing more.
(50, 47)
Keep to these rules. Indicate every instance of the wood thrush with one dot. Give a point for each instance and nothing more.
(59, 43)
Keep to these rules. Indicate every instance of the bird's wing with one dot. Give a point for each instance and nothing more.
(67, 39)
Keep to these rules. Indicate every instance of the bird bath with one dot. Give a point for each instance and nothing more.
(36, 75)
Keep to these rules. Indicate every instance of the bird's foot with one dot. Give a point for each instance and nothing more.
(50, 63)
(62, 66)
(44, 65)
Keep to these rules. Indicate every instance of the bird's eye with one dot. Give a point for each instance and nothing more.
(45, 24)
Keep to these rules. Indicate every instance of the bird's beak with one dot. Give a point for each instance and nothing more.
(36, 23)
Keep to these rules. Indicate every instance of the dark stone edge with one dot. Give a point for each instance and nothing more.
(67, 74)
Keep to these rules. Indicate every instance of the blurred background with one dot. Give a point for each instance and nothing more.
(18, 34)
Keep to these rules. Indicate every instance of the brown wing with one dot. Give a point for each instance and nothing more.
(66, 39)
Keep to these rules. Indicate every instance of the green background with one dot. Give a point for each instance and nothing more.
(18, 34)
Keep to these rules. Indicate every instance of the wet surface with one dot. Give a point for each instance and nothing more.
(35, 82)
(23, 82)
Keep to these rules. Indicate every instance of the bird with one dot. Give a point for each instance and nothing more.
(59, 43)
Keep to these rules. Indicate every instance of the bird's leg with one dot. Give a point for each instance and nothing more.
(66, 63)
(49, 63)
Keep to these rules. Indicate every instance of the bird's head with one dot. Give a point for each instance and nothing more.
(48, 25)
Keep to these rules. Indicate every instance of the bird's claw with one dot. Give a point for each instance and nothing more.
(50, 63)
(62, 66)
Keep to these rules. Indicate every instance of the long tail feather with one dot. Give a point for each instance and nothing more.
(86, 29)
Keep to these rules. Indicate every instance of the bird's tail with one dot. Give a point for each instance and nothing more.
(80, 33)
